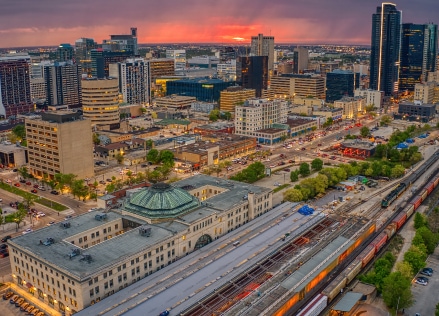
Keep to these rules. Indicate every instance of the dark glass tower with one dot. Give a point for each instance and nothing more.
(418, 51)
(339, 83)
(252, 73)
(385, 50)
(64, 52)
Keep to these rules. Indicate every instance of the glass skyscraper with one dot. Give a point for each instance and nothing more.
(339, 83)
(418, 54)
(385, 50)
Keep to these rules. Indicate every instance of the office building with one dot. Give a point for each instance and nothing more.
(101, 60)
(416, 111)
(233, 96)
(15, 92)
(418, 54)
(133, 80)
(427, 92)
(100, 102)
(207, 90)
(175, 102)
(300, 60)
(63, 84)
(38, 90)
(83, 47)
(252, 73)
(297, 85)
(94, 255)
(259, 114)
(65, 147)
(352, 107)
(339, 83)
(203, 61)
(372, 97)
(263, 46)
(122, 43)
(179, 57)
(64, 52)
(385, 50)
(227, 71)
(158, 68)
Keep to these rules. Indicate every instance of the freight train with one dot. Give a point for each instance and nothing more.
(354, 268)
(396, 192)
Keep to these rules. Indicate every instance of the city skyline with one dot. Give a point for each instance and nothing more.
(46, 23)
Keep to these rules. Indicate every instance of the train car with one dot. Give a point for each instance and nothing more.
(390, 230)
(352, 270)
(429, 187)
(394, 194)
(436, 181)
(424, 194)
(315, 307)
(410, 210)
(416, 201)
(335, 287)
(366, 255)
(400, 220)
(379, 241)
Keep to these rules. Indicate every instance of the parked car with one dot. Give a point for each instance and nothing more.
(22, 181)
(34, 191)
(102, 182)
(24, 306)
(30, 308)
(7, 295)
(109, 180)
(19, 302)
(36, 186)
(17, 184)
(41, 188)
(6, 238)
(14, 299)
(427, 271)
(422, 281)
(28, 183)
(27, 231)
(3, 246)
(54, 192)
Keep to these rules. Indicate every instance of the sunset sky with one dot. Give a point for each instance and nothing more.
(51, 22)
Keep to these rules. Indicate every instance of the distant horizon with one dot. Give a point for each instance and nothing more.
(29, 23)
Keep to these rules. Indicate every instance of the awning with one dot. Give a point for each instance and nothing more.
(347, 302)
(29, 285)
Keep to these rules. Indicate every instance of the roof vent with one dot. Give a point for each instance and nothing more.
(49, 241)
(145, 231)
(100, 217)
(65, 225)
(75, 252)
(86, 258)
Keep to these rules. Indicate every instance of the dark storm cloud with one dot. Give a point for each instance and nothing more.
(32, 22)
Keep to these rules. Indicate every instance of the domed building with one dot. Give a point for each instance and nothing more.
(161, 202)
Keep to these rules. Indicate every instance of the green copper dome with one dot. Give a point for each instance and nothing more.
(161, 201)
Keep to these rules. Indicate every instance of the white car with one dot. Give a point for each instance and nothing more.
(27, 231)
(93, 209)
(41, 214)
(1, 200)
(9, 181)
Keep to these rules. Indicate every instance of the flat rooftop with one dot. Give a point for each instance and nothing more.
(298, 122)
(355, 143)
(270, 130)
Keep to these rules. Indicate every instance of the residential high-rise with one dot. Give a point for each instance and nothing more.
(101, 60)
(339, 83)
(63, 84)
(385, 50)
(133, 80)
(263, 46)
(100, 102)
(67, 145)
(252, 73)
(64, 52)
(418, 54)
(15, 92)
(83, 47)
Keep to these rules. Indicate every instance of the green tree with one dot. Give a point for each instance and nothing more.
(328, 122)
(370, 108)
(294, 175)
(380, 151)
(19, 132)
(96, 139)
(19, 215)
(430, 240)
(167, 158)
(149, 143)
(226, 116)
(436, 312)
(385, 120)
(119, 158)
(317, 164)
(405, 269)
(293, 195)
(2, 219)
(77, 188)
(214, 115)
(416, 257)
(304, 169)
(153, 156)
(419, 221)
(110, 188)
(364, 131)
(397, 171)
(24, 173)
(397, 292)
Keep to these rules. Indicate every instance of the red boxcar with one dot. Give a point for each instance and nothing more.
(416, 201)
(379, 241)
(430, 187)
(400, 220)
(366, 255)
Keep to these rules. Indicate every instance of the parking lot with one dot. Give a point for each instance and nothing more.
(426, 296)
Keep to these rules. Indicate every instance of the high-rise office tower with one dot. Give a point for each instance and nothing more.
(63, 84)
(15, 93)
(386, 47)
(263, 46)
(418, 54)
(64, 52)
(101, 60)
(339, 83)
(133, 80)
(83, 47)
(179, 57)
(122, 42)
(252, 73)
(300, 58)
